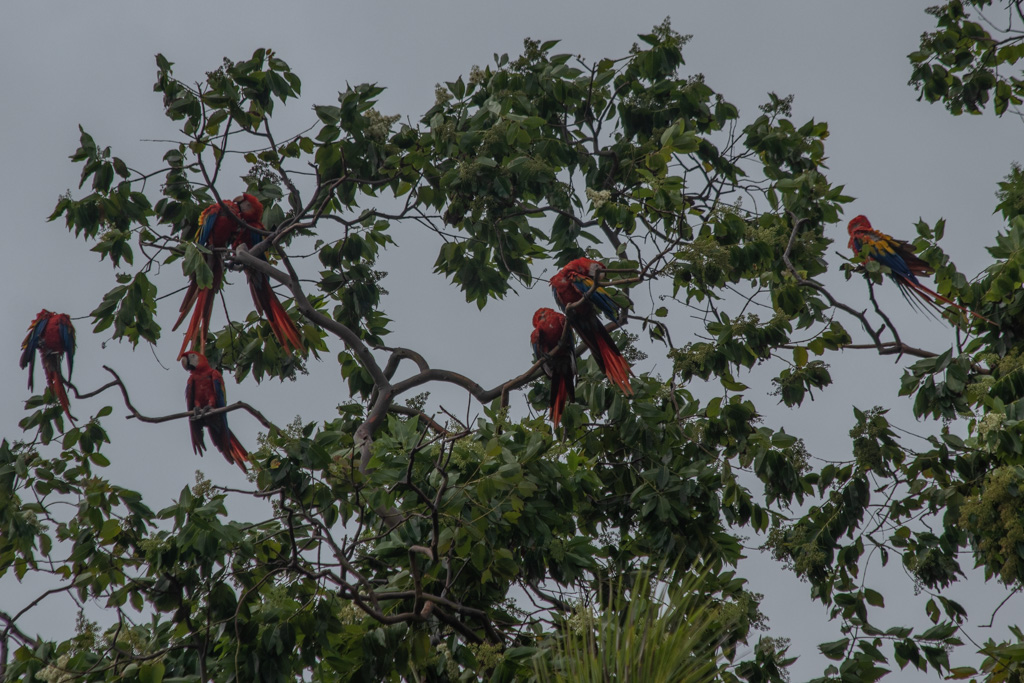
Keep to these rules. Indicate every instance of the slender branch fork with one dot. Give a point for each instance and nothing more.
(10, 631)
(896, 347)
(135, 414)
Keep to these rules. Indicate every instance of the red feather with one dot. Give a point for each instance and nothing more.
(266, 302)
(548, 330)
(205, 389)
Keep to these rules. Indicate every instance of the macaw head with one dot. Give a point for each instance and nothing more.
(584, 266)
(194, 361)
(540, 316)
(249, 208)
(858, 223)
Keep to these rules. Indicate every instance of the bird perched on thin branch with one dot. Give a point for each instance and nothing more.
(560, 365)
(204, 392)
(573, 283)
(904, 265)
(53, 336)
(217, 230)
(266, 302)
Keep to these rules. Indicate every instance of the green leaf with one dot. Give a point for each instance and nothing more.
(835, 649)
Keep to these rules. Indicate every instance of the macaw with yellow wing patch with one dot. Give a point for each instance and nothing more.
(217, 230)
(904, 265)
(570, 285)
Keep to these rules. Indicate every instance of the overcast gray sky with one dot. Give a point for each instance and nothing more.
(92, 64)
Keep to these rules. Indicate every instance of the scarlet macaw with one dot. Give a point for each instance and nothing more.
(204, 391)
(570, 285)
(217, 230)
(904, 265)
(548, 328)
(53, 335)
(267, 304)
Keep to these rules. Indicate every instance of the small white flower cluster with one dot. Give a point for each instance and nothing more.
(56, 673)
(477, 75)
(581, 621)
(991, 422)
(451, 667)
(599, 197)
(379, 125)
(441, 94)
(350, 614)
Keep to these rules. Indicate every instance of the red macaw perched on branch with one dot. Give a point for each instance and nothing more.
(570, 285)
(205, 391)
(904, 265)
(217, 230)
(267, 304)
(548, 330)
(53, 335)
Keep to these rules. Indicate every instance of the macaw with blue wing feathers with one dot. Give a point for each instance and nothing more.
(573, 283)
(53, 336)
(560, 366)
(904, 265)
(267, 303)
(217, 230)
(205, 391)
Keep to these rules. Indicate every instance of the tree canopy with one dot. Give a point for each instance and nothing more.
(401, 542)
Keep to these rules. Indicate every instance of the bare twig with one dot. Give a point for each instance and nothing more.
(177, 416)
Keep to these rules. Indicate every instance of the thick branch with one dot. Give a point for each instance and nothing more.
(291, 281)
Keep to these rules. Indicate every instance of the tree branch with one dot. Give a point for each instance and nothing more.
(177, 416)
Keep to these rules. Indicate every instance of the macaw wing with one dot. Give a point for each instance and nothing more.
(250, 238)
(558, 299)
(914, 263)
(887, 251)
(535, 344)
(219, 393)
(67, 339)
(599, 297)
(570, 349)
(195, 427)
(539, 351)
(31, 343)
(206, 220)
(190, 393)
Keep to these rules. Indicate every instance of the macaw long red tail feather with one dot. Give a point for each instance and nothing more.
(237, 452)
(562, 391)
(268, 305)
(918, 302)
(930, 298)
(187, 303)
(611, 361)
(55, 382)
(199, 325)
(229, 446)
